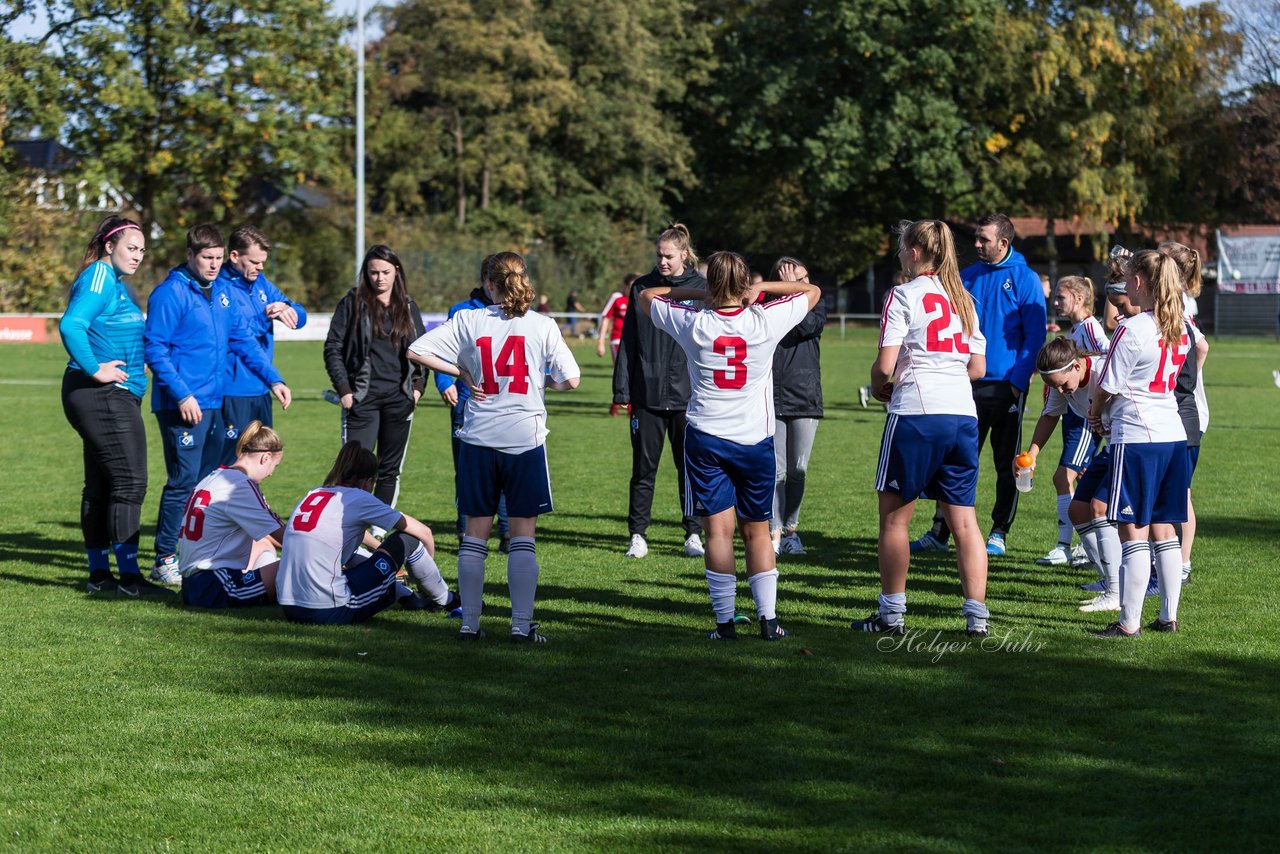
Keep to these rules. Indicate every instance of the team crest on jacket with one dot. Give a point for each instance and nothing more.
(222, 298)
(262, 295)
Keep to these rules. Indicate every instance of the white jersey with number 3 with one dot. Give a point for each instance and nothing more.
(224, 515)
(323, 533)
(932, 371)
(510, 357)
(730, 358)
(1141, 371)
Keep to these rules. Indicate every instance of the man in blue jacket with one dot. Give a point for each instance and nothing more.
(192, 330)
(258, 303)
(1011, 315)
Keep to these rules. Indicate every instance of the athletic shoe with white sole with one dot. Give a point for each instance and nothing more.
(995, 544)
(639, 548)
(1079, 557)
(930, 543)
(135, 586)
(879, 626)
(531, 636)
(1116, 630)
(166, 571)
(1101, 602)
(466, 635)
(693, 546)
(983, 632)
(771, 631)
(790, 544)
(1057, 556)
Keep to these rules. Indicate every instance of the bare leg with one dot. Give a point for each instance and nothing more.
(895, 541)
(971, 550)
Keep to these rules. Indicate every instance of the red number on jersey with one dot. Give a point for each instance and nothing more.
(1162, 383)
(510, 364)
(934, 342)
(308, 513)
(734, 349)
(193, 515)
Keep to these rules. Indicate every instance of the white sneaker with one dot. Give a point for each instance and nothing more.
(1078, 556)
(639, 548)
(692, 546)
(1275, 375)
(1102, 602)
(791, 545)
(1057, 556)
(864, 392)
(166, 571)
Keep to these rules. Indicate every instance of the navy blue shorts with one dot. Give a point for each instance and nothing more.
(935, 456)
(1095, 483)
(485, 476)
(237, 414)
(373, 589)
(224, 588)
(1149, 483)
(1078, 443)
(719, 474)
(1193, 459)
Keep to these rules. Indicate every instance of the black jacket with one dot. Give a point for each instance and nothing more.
(346, 351)
(651, 370)
(797, 368)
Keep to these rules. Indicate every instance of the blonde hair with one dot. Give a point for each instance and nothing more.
(258, 438)
(1160, 272)
(728, 278)
(678, 235)
(1082, 287)
(354, 465)
(1188, 261)
(938, 255)
(508, 278)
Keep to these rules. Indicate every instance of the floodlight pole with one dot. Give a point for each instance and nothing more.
(359, 135)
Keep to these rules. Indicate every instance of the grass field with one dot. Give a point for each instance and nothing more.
(134, 725)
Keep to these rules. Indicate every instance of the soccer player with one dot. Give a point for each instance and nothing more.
(259, 303)
(612, 318)
(505, 355)
(192, 331)
(728, 448)
(930, 350)
(229, 533)
(1150, 471)
(323, 581)
(1073, 299)
(102, 391)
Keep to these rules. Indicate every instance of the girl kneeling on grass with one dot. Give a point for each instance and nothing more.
(728, 443)
(321, 578)
(929, 341)
(226, 547)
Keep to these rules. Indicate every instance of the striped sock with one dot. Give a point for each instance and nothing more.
(1169, 571)
(1134, 575)
(422, 567)
(472, 553)
(522, 581)
(1089, 539)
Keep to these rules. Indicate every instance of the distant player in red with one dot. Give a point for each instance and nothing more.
(612, 317)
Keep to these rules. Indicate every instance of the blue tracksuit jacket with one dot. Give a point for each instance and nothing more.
(1011, 315)
(249, 300)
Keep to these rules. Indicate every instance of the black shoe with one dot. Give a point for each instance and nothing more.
(1159, 625)
(875, 624)
(977, 633)
(531, 637)
(134, 586)
(723, 631)
(478, 634)
(453, 602)
(771, 631)
(414, 602)
(104, 584)
(1116, 630)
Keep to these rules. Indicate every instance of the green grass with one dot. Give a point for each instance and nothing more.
(129, 725)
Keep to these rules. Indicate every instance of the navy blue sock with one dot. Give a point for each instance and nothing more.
(127, 558)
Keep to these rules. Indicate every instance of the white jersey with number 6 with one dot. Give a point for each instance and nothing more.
(932, 371)
(510, 357)
(323, 533)
(224, 515)
(1141, 371)
(730, 358)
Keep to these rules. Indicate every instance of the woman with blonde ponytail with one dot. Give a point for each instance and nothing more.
(1150, 471)
(930, 351)
(504, 355)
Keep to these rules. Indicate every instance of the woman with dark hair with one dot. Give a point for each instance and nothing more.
(364, 354)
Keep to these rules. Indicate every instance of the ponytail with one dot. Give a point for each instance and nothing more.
(938, 255)
(1188, 261)
(508, 277)
(1160, 274)
(258, 438)
(355, 464)
(108, 230)
(678, 236)
(728, 278)
(1082, 287)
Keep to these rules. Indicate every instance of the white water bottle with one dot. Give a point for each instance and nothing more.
(1026, 465)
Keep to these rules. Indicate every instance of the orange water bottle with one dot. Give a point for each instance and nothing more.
(1025, 463)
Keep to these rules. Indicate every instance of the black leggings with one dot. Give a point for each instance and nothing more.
(382, 426)
(109, 421)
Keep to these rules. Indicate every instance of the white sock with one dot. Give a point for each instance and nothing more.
(522, 581)
(976, 614)
(764, 589)
(1064, 523)
(422, 567)
(1110, 554)
(893, 607)
(1089, 539)
(1186, 570)
(723, 588)
(1134, 575)
(471, 556)
(1169, 571)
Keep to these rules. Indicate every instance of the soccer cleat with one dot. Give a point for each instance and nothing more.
(983, 632)
(771, 631)
(741, 619)
(531, 636)
(1057, 556)
(723, 631)
(1159, 625)
(134, 586)
(639, 548)
(1094, 586)
(413, 602)
(930, 543)
(467, 635)
(874, 623)
(1116, 630)
(1102, 602)
(106, 584)
(1079, 557)
(166, 571)
(1186, 578)
(995, 544)
(451, 604)
(693, 546)
(791, 545)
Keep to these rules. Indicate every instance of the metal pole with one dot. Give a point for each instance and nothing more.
(1217, 292)
(359, 135)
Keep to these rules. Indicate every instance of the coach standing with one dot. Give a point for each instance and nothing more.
(258, 303)
(192, 330)
(1011, 315)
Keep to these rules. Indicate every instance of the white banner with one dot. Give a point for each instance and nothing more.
(317, 328)
(1249, 265)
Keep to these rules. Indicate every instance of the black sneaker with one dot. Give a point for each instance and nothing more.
(1116, 630)
(977, 633)
(105, 584)
(723, 631)
(771, 631)
(453, 602)
(464, 635)
(135, 586)
(1159, 625)
(875, 624)
(413, 602)
(531, 637)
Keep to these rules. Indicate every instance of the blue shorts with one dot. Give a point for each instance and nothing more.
(719, 474)
(1149, 483)
(224, 588)
(373, 589)
(935, 456)
(485, 476)
(1095, 483)
(1193, 459)
(1078, 443)
(237, 414)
